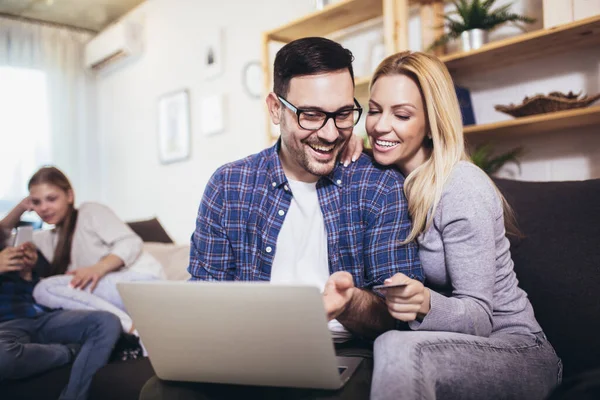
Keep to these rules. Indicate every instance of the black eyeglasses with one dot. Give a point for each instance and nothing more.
(313, 120)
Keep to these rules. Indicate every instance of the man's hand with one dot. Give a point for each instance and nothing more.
(352, 150)
(82, 277)
(406, 302)
(338, 293)
(11, 259)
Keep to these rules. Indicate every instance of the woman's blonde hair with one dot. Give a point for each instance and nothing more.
(423, 187)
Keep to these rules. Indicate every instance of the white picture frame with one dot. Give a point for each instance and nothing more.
(212, 114)
(253, 79)
(213, 54)
(174, 131)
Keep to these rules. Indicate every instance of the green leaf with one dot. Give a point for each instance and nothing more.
(483, 158)
(488, 4)
(462, 9)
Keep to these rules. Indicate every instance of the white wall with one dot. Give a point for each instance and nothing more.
(134, 183)
(137, 186)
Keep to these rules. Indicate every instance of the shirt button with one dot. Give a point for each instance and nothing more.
(339, 181)
(281, 212)
(269, 249)
(274, 184)
(286, 188)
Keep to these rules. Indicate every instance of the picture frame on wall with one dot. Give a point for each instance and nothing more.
(212, 114)
(252, 79)
(174, 133)
(213, 54)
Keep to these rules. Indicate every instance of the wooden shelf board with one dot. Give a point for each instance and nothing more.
(343, 14)
(334, 17)
(542, 123)
(532, 45)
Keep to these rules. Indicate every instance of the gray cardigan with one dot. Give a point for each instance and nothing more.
(98, 233)
(467, 263)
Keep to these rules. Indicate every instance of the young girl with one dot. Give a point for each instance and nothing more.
(473, 334)
(34, 340)
(90, 250)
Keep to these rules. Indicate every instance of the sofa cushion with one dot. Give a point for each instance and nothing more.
(121, 380)
(173, 257)
(150, 231)
(558, 263)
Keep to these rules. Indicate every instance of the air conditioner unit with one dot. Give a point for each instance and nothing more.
(115, 44)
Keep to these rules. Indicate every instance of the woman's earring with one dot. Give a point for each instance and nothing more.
(428, 141)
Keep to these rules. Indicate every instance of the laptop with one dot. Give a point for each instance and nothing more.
(245, 333)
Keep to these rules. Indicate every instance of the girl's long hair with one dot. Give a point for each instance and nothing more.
(62, 252)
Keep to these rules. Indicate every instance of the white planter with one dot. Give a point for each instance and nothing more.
(473, 39)
(320, 4)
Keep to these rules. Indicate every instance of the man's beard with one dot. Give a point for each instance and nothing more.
(314, 165)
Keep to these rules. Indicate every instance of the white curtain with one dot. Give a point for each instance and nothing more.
(72, 144)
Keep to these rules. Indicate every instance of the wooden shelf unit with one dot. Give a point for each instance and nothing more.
(540, 43)
(544, 42)
(346, 14)
(541, 123)
(532, 45)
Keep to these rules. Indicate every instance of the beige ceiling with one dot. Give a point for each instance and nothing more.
(88, 14)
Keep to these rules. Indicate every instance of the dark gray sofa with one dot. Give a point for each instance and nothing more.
(557, 263)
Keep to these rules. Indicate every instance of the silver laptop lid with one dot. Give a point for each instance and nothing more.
(236, 332)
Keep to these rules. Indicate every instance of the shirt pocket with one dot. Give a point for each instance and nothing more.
(351, 244)
(255, 256)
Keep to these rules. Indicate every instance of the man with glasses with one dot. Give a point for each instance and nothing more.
(292, 214)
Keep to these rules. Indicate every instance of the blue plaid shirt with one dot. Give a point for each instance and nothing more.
(245, 202)
(16, 298)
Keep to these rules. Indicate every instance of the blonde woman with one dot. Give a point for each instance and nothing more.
(472, 331)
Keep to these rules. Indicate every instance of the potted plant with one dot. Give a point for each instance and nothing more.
(476, 19)
(490, 164)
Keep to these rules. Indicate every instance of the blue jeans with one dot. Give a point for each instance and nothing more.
(29, 346)
(445, 365)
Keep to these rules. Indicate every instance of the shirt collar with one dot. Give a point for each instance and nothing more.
(277, 176)
(275, 172)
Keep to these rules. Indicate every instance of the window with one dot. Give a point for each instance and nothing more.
(24, 131)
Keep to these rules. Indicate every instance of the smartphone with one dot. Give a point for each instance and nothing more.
(24, 234)
(383, 288)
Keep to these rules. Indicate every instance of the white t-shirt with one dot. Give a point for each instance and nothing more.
(301, 257)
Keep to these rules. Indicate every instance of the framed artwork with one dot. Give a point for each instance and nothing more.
(174, 127)
(212, 114)
(252, 79)
(213, 54)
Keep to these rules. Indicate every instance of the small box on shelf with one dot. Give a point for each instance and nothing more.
(557, 12)
(585, 9)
